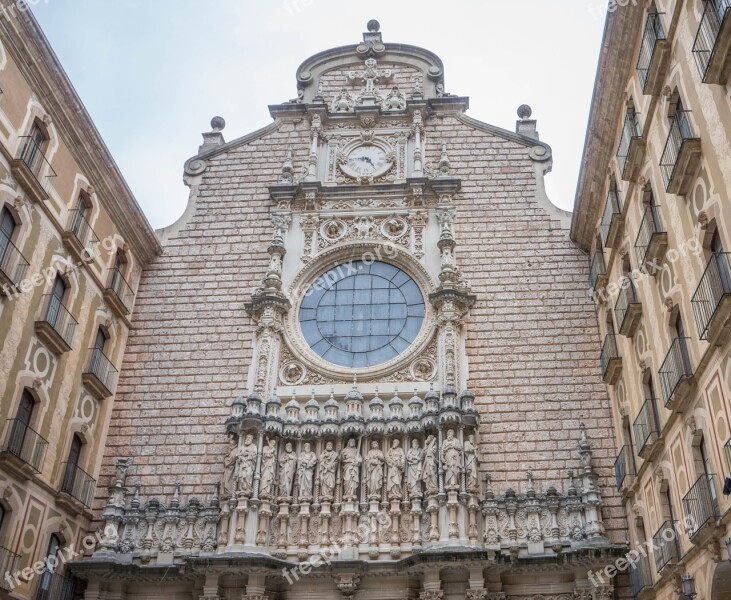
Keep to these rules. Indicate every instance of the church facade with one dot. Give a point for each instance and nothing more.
(365, 364)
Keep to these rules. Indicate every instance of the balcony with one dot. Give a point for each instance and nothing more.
(640, 575)
(610, 360)
(118, 293)
(597, 271)
(13, 266)
(24, 446)
(54, 586)
(77, 484)
(631, 151)
(654, 51)
(667, 547)
(727, 451)
(676, 374)
(681, 155)
(652, 241)
(32, 170)
(99, 375)
(9, 563)
(612, 221)
(712, 298)
(624, 468)
(80, 238)
(701, 506)
(56, 328)
(712, 45)
(646, 428)
(627, 309)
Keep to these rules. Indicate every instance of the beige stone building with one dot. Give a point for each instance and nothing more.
(653, 209)
(73, 243)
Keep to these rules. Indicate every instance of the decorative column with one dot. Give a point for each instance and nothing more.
(315, 128)
(114, 511)
(590, 493)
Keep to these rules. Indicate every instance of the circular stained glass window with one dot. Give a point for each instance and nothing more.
(362, 314)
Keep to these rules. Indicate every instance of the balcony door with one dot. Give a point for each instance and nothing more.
(34, 146)
(23, 419)
(44, 589)
(96, 362)
(72, 465)
(7, 227)
(57, 294)
(722, 261)
(708, 472)
(684, 355)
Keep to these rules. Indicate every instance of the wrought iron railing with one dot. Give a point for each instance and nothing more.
(650, 225)
(630, 130)
(612, 210)
(727, 450)
(653, 33)
(714, 13)
(77, 483)
(624, 466)
(646, 423)
(118, 284)
(701, 504)
(9, 563)
(58, 317)
(102, 368)
(609, 352)
(54, 586)
(640, 575)
(26, 443)
(666, 544)
(31, 153)
(12, 263)
(81, 229)
(681, 129)
(597, 269)
(627, 296)
(675, 368)
(715, 283)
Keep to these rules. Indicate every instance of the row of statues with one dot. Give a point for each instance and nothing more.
(414, 472)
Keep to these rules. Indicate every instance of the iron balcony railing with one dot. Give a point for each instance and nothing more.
(81, 229)
(627, 296)
(714, 285)
(597, 269)
(666, 544)
(640, 575)
(77, 483)
(650, 225)
(12, 263)
(653, 33)
(25, 443)
(9, 563)
(54, 586)
(102, 368)
(714, 13)
(118, 284)
(31, 153)
(58, 317)
(727, 450)
(675, 368)
(701, 504)
(609, 352)
(630, 130)
(646, 424)
(681, 129)
(612, 210)
(624, 466)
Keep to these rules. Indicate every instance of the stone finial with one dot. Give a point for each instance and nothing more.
(525, 111)
(218, 123)
(213, 138)
(122, 466)
(444, 165)
(287, 175)
(526, 126)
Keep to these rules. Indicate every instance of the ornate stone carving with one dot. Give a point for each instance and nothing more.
(451, 455)
(396, 461)
(374, 471)
(414, 468)
(351, 469)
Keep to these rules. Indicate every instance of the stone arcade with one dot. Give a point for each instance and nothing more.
(369, 432)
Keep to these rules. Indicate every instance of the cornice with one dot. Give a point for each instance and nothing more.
(36, 60)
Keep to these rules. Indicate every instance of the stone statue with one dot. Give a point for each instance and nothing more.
(451, 460)
(374, 465)
(287, 465)
(396, 461)
(351, 469)
(414, 468)
(470, 464)
(328, 466)
(307, 462)
(229, 467)
(247, 464)
(431, 478)
(268, 466)
(122, 465)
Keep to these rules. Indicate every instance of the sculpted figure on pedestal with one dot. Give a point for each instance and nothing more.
(287, 466)
(396, 461)
(351, 469)
(451, 460)
(374, 465)
(328, 466)
(414, 469)
(247, 465)
(470, 464)
(431, 479)
(307, 462)
(228, 483)
(268, 467)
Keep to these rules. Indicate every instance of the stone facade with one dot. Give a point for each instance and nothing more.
(476, 461)
(652, 209)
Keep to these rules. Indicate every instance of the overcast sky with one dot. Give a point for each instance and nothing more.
(152, 73)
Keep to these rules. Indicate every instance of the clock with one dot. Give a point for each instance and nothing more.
(366, 161)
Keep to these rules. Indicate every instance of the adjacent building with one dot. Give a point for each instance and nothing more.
(653, 210)
(73, 243)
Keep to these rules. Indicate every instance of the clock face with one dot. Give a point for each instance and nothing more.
(367, 160)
